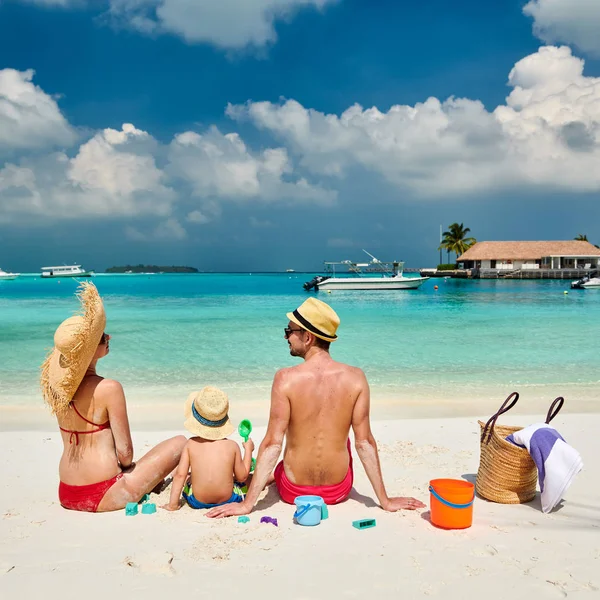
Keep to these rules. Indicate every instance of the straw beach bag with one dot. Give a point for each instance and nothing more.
(507, 473)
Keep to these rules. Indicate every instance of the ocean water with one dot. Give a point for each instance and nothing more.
(172, 334)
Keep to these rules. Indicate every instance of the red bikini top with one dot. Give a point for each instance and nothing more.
(78, 433)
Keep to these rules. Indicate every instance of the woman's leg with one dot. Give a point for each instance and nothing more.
(147, 473)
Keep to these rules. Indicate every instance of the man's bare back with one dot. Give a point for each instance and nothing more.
(313, 406)
(322, 394)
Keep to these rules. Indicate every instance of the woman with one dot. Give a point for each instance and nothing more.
(97, 472)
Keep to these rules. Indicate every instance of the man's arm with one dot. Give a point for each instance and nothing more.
(366, 446)
(268, 452)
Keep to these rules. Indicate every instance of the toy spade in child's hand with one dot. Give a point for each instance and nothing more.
(245, 429)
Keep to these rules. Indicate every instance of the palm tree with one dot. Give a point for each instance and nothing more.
(456, 240)
(581, 237)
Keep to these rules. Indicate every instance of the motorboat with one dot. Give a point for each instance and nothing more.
(372, 275)
(65, 271)
(590, 281)
(4, 276)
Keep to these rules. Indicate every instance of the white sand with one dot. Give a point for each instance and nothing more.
(511, 551)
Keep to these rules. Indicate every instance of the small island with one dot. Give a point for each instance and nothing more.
(151, 269)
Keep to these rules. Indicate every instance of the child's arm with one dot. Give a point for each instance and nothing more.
(179, 478)
(241, 468)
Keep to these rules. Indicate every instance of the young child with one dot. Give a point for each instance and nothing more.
(215, 463)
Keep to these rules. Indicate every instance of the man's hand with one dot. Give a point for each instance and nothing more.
(394, 504)
(229, 510)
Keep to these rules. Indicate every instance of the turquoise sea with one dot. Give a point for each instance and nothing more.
(172, 334)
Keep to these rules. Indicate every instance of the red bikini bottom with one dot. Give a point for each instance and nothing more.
(85, 497)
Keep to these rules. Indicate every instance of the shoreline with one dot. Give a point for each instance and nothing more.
(155, 416)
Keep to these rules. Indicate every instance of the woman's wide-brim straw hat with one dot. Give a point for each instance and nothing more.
(318, 318)
(75, 343)
(206, 414)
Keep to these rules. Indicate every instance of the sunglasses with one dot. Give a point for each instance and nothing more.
(103, 339)
(288, 331)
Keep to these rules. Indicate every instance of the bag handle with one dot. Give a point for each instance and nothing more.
(492, 420)
(552, 412)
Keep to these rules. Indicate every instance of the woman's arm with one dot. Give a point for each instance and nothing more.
(114, 398)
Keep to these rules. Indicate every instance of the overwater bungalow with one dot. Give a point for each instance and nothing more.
(530, 260)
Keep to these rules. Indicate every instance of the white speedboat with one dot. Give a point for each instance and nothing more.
(66, 271)
(4, 276)
(590, 281)
(374, 275)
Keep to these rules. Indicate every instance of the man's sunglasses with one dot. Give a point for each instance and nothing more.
(288, 331)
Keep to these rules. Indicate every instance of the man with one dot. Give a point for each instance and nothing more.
(313, 406)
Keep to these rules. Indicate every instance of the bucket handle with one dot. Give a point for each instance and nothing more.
(448, 503)
(552, 411)
(302, 510)
(492, 420)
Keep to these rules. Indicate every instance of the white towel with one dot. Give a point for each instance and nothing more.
(557, 462)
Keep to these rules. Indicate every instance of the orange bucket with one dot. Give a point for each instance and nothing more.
(451, 503)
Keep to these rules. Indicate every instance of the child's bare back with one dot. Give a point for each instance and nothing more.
(214, 466)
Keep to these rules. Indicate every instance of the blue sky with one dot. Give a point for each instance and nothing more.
(273, 134)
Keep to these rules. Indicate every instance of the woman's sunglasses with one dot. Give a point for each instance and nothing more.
(103, 339)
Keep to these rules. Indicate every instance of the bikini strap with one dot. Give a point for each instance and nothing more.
(86, 420)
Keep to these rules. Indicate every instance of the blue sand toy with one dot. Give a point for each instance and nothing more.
(364, 523)
(243, 519)
(149, 508)
(309, 510)
(145, 498)
(131, 509)
(245, 429)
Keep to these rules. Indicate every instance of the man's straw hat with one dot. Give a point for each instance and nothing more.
(206, 414)
(316, 317)
(75, 343)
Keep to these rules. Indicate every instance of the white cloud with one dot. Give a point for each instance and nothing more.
(569, 21)
(222, 166)
(230, 24)
(111, 176)
(547, 134)
(198, 217)
(29, 118)
(169, 230)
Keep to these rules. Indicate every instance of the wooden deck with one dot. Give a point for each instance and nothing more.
(530, 273)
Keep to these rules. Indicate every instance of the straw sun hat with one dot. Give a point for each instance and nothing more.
(75, 343)
(316, 317)
(206, 414)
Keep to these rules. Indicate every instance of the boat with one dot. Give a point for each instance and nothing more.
(290, 271)
(373, 275)
(66, 271)
(4, 276)
(590, 281)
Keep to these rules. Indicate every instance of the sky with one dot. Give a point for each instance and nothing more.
(263, 135)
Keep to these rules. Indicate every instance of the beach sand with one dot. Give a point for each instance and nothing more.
(511, 551)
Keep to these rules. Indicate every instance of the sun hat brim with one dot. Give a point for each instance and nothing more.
(204, 431)
(320, 334)
(61, 374)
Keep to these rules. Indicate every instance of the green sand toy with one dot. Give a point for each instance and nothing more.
(245, 429)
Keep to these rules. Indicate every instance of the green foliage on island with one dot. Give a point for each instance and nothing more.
(151, 269)
(446, 267)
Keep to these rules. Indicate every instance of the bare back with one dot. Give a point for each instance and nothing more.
(87, 457)
(322, 394)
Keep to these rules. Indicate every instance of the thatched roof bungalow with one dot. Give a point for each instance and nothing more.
(569, 254)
